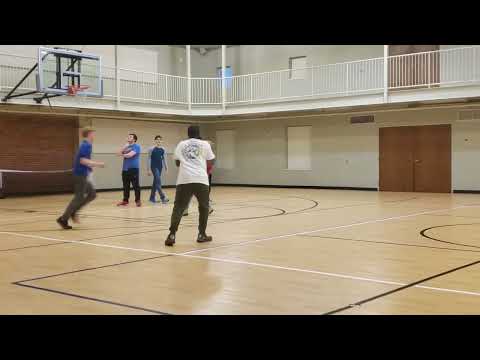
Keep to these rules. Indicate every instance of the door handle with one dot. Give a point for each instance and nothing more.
(418, 161)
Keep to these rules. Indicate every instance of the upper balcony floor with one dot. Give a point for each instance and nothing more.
(262, 78)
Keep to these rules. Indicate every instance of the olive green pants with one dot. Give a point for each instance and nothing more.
(183, 195)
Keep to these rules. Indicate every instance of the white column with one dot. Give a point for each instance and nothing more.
(385, 73)
(224, 88)
(117, 77)
(189, 80)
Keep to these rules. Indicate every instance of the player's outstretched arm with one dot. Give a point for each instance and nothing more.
(92, 163)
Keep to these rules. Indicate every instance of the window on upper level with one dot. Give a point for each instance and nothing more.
(297, 67)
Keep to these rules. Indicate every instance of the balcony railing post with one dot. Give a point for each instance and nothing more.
(189, 80)
(143, 86)
(224, 88)
(166, 89)
(429, 69)
(117, 77)
(405, 71)
(311, 82)
(281, 73)
(385, 73)
(347, 78)
(251, 88)
(474, 65)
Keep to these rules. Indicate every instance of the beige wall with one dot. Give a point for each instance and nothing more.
(342, 154)
(111, 134)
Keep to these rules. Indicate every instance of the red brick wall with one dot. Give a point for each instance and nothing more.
(37, 142)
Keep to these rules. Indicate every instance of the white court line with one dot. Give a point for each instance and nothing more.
(448, 290)
(186, 254)
(329, 228)
(343, 276)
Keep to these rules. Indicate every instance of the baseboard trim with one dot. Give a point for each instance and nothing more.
(466, 191)
(5, 195)
(301, 187)
(142, 187)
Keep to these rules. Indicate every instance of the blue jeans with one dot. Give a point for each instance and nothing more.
(157, 184)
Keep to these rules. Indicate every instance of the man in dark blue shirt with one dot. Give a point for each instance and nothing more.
(83, 186)
(156, 163)
(131, 169)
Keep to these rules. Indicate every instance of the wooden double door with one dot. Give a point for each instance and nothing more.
(416, 158)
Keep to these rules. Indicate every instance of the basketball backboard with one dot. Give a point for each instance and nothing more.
(59, 69)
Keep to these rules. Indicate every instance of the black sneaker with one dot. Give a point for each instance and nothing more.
(170, 240)
(63, 224)
(203, 238)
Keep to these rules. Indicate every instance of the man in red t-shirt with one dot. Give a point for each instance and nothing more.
(209, 172)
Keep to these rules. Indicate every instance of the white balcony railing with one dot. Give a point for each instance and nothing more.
(446, 67)
(325, 80)
(434, 68)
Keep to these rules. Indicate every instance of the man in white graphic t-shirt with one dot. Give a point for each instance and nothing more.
(192, 156)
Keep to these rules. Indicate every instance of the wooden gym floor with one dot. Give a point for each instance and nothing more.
(275, 251)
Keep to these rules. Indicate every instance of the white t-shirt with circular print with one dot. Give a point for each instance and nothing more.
(193, 155)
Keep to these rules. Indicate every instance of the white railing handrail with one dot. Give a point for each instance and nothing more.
(151, 73)
(206, 78)
(309, 67)
(19, 56)
(434, 51)
(344, 78)
(264, 72)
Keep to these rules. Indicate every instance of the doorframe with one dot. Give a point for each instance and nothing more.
(451, 151)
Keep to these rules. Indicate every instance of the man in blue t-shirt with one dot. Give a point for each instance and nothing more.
(83, 186)
(156, 163)
(131, 169)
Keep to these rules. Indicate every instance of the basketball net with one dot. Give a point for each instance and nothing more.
(73, 90)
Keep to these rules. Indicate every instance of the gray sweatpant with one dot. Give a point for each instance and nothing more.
(84, 193)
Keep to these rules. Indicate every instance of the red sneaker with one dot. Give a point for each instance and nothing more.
(122, 203)
(139, 203)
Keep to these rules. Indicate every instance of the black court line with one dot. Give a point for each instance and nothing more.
(77, 229)
(363, 204)
(424, 234)
(87, 215)
(359, 303)
(93, 299)
(92, 268)
(111, 265)
(281, 212)
(390, 243)
(461, 216)
(315, 204)
(22, 283)
(33, 246)
(24, 222)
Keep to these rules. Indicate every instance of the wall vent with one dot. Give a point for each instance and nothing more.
(469, 115)
(363, 119)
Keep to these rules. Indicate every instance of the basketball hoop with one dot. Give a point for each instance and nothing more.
(74, 89)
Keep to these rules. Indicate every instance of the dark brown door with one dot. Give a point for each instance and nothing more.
(433, 159)
(415, 158)
(396, 158)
